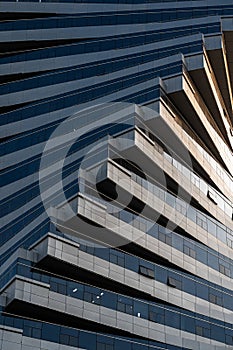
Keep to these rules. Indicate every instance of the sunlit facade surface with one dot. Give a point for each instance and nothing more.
(116, 175)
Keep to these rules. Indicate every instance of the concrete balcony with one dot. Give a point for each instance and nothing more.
(53, 305)
(185, 95)
(227, 29)
(183, 142)
(202, 73)
(97, 225)
(13, 338)
(146, 197)
(140, 149)
(52, 249)
(216, 51)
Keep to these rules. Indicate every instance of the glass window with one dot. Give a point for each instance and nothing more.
(123, 307)
(189, 286)
(120, 306)
(172, 282)
(221, 234)
(87, 340)
(36, 333)
(189, 251)
(172, 319)
(201, 221)
(224, 270)
(118, 260)
(64, 339)
(215, 299)
(73, 341)
(199, 330)
(229, 339)
(202, 291)
(141, 309)
(180, 207)
(188, 324)
(157, 316)
(50, 332)
(165, 237)
(145, 271)
(100, 346)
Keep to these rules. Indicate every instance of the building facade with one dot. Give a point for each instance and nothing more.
(116, 174)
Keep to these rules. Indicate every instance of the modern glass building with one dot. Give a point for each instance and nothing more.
(116, 173)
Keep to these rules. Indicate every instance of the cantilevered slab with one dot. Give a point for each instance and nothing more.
(185, 96)
(227, 29)
(202, 74)
(216, 51)
(180, 139)
(111, 170)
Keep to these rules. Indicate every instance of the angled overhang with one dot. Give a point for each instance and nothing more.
(104, 228)
(227, 29)
(186, 97)
(65, 308)
(139, 145)
(179, 138)
(216, 51)
(202, 73)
